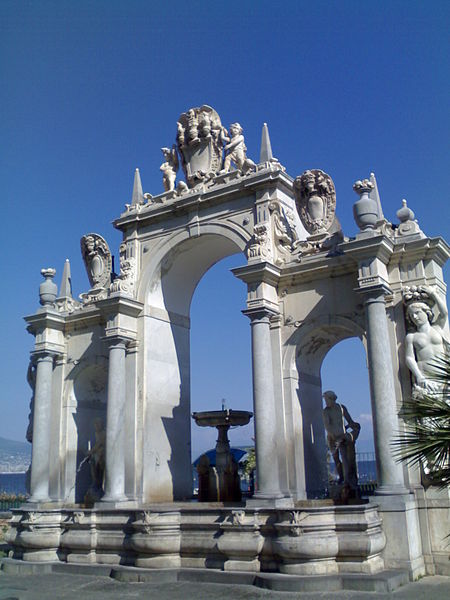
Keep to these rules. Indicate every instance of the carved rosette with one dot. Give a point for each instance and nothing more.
(315, 198)
(98, 262)
(199, 144)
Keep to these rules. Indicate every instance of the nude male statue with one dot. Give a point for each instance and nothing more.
(341, 442)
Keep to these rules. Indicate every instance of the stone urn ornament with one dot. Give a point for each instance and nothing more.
(48, 288)
(365, 210)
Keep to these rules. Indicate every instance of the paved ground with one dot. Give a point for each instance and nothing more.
(88, 587)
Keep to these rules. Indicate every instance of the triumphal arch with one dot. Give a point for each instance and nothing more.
(110, 374)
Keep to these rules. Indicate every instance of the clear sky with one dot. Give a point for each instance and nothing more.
(92, 90)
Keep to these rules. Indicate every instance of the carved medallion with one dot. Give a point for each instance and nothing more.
(97, 259)
(315, 198)
(98, 262)
(199, 143)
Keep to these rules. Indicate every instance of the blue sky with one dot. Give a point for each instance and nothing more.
(92, 90)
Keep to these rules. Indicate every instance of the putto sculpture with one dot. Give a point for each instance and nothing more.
(427, 341)
(169, 167)
(235, 149)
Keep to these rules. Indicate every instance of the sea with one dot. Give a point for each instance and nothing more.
(12, 483)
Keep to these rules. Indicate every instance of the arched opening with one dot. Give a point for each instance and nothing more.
(220, 353)
(167, 370)
(344, 370)
(303, 362)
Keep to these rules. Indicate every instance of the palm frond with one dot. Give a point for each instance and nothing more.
(426, 439)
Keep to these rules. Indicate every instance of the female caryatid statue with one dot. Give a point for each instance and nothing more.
(428, 340)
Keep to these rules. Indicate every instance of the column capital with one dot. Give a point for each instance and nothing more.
(375, 292)
(260, 313)
(116, 340)
(44, 354)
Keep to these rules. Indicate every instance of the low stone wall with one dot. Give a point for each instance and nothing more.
(308, 540)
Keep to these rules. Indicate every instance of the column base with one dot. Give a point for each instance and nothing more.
(392, 490)
(38, 501)
(124, 502)
(269, 502)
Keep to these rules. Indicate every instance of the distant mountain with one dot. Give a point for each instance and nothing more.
(14, 447)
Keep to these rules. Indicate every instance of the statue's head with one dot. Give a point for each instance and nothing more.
(330, 397)
(235, 129)
(419, 312)
(98, 425)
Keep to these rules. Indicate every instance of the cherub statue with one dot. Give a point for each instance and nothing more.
(169, 167)
(235, 149)
(428, 341)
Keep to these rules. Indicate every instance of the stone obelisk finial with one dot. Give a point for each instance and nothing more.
(376, 196)
(65, 291)
(266, 148)
(138, 196)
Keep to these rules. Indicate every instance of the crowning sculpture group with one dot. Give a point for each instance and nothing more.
(110, 375)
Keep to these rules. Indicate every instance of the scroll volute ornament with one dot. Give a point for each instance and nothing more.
(315, 197)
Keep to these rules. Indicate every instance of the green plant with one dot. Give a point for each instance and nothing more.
(249, 464)
(426, 440)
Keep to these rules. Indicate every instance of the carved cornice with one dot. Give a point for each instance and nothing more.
(167, 204)
(258, 272)
(378, 246)
(45, 318)
(435, 249)
(117, 303)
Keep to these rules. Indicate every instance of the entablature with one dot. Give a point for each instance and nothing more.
(224, 188)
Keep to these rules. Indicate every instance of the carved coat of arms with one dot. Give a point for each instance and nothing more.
(315, 198)
(199, 143)
(98, 262)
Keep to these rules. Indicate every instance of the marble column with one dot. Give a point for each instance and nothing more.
(384, 406)
(264, 406)
(115, 419)
(40, 453)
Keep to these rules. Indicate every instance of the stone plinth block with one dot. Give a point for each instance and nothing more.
(157, 539)
(306, 542)
(79, 537)
(35, 536)
(361, 539)
(241, 542)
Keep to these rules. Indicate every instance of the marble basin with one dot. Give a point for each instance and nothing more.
(222, 418)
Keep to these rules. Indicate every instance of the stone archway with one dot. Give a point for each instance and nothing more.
(166, 355)
(305, 352)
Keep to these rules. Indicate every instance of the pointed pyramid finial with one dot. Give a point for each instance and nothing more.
(266, 148)
(65, 290)
(138, 196)
(376, 196)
